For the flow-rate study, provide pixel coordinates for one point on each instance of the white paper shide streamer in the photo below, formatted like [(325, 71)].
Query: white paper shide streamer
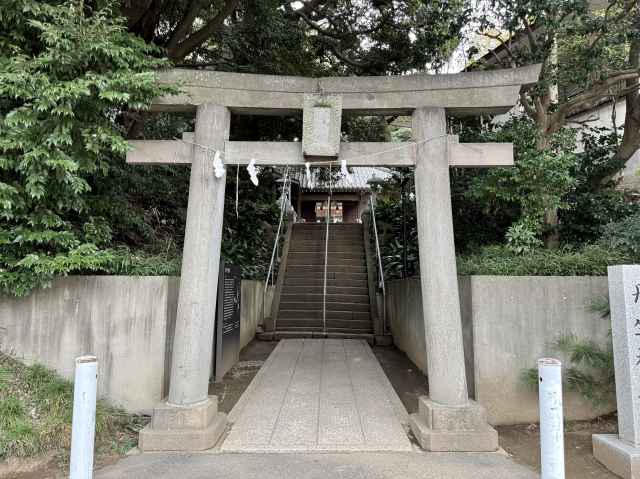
[(310, 184), (253, 171), (344, 171), (218, 166)]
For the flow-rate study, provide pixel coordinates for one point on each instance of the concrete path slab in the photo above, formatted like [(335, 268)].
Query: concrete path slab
[(359, 465), (319, 395)]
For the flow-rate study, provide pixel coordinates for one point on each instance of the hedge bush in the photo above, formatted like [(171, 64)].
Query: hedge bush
[(501, 260)]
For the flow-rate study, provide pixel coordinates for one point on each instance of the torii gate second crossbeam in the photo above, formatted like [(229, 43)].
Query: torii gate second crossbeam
[(448, 420)]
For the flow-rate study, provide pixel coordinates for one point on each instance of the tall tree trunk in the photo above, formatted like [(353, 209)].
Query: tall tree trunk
[(631, 137), (551, 221)]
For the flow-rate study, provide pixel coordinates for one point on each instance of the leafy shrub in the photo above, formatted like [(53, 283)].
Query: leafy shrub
[(591, 372), (502, 260), (594, 200), (623, 235), (538, 182)]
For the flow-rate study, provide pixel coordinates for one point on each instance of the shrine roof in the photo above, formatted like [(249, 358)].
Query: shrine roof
[(360, 175)]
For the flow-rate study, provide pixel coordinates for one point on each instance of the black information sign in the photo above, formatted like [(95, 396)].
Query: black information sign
[(227, 335)]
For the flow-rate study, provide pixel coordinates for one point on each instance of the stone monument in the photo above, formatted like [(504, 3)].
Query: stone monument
[(621, 453)]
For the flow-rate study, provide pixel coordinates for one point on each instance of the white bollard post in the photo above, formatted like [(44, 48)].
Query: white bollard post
[(551, 419), (83, 429)]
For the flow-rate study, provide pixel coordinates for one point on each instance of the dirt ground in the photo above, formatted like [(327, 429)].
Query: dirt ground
[(234, 383), (521, 442)]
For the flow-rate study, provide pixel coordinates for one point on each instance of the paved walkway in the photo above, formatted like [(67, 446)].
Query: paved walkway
[(319, 395), (357, 465)]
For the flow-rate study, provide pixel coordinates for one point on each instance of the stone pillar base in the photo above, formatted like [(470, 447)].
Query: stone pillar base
[(183, 428), (620, 457), (443, 428)]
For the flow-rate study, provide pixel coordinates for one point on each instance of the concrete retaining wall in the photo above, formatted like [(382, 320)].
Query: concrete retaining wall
[(508, 323), (126, 321)]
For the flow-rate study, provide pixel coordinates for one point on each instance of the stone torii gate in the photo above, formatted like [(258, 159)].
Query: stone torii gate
[(448, 420)]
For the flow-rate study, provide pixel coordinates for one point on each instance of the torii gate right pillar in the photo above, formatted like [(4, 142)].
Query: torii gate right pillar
[(447, 420)]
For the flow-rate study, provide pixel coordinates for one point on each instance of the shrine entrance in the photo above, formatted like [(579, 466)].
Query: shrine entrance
[(447, 420)]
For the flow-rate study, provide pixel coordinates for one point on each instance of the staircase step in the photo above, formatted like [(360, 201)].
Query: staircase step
[(320, 232), (318, 288), (302, 314), (317, 306), (318, 269), (284, 334), (304, 226), (353, 254), (318, 260), (360, 285), (320, 249), (316, 324), (301, 273), (317, 297)]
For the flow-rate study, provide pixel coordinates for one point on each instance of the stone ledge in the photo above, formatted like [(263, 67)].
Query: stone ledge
[(442, 417), (198, 416), (183, 428), (183, 439), (483, 440), (444, 428), (618, 456)]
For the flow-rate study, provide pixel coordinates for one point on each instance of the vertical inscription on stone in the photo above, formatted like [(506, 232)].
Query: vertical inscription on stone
[(322, 125), (321, 119), (624, 299)]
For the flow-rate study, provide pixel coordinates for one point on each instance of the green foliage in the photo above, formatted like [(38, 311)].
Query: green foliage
[(601, 305), (594, 201), (36, 408), (339, 37), (539, 181), (589, 44), (503, 260), (522, 238), (591, 372), (67, 77), (623, 235)]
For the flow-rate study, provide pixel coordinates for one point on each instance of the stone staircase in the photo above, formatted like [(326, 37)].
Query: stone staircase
[(301, 300)]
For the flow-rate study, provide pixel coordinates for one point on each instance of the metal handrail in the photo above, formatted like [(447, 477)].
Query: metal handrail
[(326, 254), (283, 204), (380, 270)]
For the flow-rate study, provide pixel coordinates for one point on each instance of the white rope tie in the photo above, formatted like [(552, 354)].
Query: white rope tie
[(401, 146)]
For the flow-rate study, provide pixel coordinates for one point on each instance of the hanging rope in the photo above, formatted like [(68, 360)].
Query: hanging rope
[(283, 204), (237, 187), (326, 253), (401, 146)]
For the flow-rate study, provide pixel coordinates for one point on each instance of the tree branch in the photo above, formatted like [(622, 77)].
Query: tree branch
[(597, 92), (184, 26), (526, 104), (193, 41), (533, 44)]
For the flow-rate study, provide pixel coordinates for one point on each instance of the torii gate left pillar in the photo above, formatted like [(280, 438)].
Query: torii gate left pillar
[(189, 419)]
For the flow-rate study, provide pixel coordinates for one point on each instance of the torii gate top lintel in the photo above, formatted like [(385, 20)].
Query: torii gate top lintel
[(466, 93), (322, 101)]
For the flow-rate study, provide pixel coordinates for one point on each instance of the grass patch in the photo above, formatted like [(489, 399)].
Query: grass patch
[(36, 409)]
